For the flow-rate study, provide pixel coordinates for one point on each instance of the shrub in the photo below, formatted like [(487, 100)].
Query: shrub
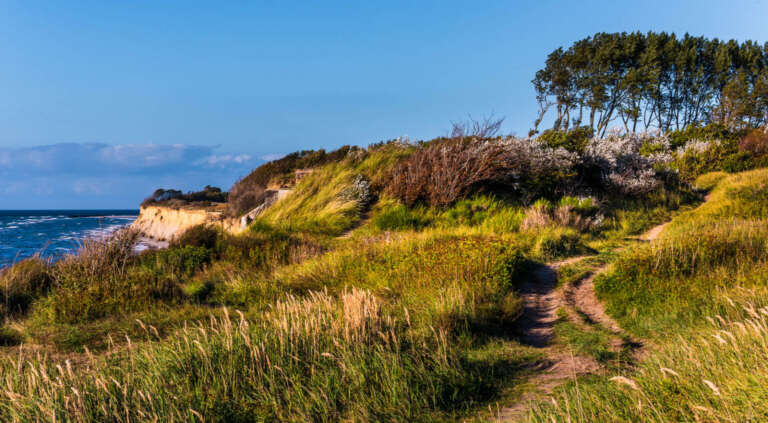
[(176, 198), (198, 236), (756, 142), (575, 140), (553, 242), (184, 260), (22, 283), (10, 337), (621, 166), (359, 191), (442, 173), (710, 132)]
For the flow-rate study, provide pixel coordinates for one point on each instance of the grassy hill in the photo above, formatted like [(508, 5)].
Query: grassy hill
[(698, 296), (391, 284)]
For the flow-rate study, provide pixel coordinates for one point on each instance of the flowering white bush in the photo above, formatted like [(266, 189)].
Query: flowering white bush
[(696, 147), (528, 156), (622, 166), (359, 191)]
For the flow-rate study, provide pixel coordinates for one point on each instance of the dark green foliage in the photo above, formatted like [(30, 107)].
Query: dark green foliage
[(175, 197), (723, 155), (10, 337), (712, 131), (198, 236), (654, 80), (574, 140), (23, 283), (183, 260)]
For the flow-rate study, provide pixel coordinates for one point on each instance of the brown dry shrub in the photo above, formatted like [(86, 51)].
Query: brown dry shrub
[(244, 197), (441, 174), (756, 142), (537, 216), (567, 215)]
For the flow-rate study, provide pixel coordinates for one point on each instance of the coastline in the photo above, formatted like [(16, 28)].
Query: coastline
[(53, 233)]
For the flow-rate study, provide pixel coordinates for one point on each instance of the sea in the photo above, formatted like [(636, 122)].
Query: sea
[(53, 233)]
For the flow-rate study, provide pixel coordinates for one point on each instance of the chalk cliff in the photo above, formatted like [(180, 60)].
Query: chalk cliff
[(163, 223)]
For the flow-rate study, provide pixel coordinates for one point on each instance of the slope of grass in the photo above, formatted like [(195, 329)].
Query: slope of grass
[(700, 294), (702, 255), (714, 374), (321, 202), (408, 319)]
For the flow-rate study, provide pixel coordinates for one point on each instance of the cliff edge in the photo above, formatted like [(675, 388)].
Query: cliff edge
[(162, 223)]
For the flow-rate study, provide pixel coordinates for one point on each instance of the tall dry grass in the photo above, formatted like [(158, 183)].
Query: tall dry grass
[(310, 359), (716, 374)]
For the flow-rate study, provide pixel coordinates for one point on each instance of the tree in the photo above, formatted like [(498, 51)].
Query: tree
[(653, 80)]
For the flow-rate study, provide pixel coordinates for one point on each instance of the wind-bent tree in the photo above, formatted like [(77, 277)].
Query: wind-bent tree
[(643, 81)]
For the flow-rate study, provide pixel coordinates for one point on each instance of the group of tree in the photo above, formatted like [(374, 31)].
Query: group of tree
[(654, 80), (209, 194)]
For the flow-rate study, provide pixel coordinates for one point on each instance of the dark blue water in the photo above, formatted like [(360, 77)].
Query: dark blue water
[(23, 233)]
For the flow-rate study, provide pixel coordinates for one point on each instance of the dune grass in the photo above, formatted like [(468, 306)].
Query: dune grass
[(702, 254), (714, 374), (408, 319), (700, 295)]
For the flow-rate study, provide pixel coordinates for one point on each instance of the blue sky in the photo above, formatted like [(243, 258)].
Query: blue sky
[(103, 101)]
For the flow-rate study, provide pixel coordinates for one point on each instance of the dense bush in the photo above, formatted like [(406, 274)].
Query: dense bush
[(756, 142), (23, 283), (712, 131), (175, 197), (198, 236), (442, 173), (183, 260), (622, 166), (574, 140)]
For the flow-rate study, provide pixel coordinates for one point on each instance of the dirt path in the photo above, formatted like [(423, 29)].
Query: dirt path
[(541, 302), (364, 218), (581, 295)]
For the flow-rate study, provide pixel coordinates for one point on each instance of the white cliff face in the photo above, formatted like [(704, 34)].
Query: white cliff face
[(164, 223), (161, 223)]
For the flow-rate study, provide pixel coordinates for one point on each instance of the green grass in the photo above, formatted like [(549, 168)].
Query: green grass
[(713, 374), (408, 319), (699, 296), (703, 254), (589, 341)]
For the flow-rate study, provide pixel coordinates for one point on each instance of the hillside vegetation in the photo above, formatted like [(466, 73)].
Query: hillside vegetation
[(698, 295), (388, 286)]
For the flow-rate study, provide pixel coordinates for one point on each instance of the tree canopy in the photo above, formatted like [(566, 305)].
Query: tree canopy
[(654, 80)]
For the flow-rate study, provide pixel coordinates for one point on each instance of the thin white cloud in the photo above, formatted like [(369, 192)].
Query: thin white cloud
[(270, 157), (102, 159), (103, 175)]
